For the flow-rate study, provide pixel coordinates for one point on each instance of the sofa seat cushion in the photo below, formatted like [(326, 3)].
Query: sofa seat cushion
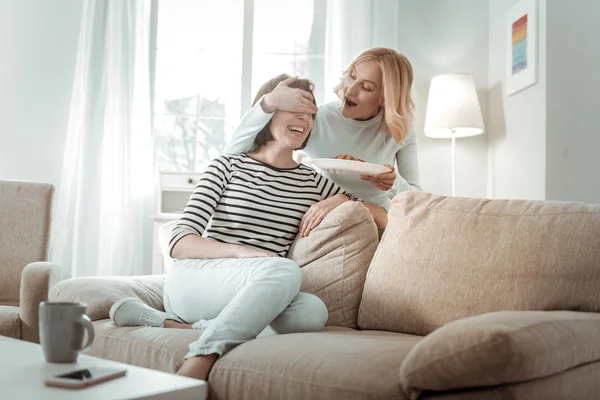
[(334, 364), (325, 365), (156, 348), (10, 322), (444, 258), (499, 348)]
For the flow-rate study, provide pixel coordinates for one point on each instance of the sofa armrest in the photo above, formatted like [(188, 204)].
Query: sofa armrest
[(99, 293), (500, 348), (37, 280)]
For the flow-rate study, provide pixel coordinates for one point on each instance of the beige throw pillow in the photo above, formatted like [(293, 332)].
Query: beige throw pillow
[(335, 258), (501, 347)]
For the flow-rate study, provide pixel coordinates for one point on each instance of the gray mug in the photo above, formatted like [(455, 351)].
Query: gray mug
[(62, 327)]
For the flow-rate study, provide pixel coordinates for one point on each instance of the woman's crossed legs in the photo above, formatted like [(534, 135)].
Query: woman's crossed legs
[(240, 297)]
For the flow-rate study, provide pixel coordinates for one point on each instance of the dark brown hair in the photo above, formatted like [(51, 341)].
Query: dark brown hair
[(265, 135)]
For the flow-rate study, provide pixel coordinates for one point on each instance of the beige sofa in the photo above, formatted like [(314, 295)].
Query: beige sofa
[(461, 299), (25, 209)]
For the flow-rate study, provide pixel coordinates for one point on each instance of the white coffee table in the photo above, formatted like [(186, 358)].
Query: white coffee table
[(23, 370)]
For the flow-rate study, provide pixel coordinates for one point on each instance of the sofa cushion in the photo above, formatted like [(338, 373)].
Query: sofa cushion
[(10, 322), (335, 258), (501, 347), (581, 383), (324, 365), (155, 348), (100, 293), (442, 259)]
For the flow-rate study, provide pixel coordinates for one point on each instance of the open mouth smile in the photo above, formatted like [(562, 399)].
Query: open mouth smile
[(296, 130)]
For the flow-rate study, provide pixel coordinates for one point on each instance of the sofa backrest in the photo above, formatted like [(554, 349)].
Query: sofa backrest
[(443, 259), (25, 210)]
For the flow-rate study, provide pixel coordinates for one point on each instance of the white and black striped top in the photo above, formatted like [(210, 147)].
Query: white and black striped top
[(252, 203)]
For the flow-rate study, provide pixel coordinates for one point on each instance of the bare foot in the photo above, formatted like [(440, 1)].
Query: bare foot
[(198, 367), (169, 323)]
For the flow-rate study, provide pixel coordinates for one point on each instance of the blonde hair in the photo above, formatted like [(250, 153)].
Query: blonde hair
[(397, 80)]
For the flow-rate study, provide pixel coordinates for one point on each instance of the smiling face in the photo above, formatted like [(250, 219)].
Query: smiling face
[(290, 130), (362, 91)]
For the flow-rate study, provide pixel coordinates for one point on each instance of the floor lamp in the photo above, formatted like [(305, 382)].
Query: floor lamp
[(453, 111)]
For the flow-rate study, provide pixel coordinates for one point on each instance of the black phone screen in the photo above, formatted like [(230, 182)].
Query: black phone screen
[(81, 374)]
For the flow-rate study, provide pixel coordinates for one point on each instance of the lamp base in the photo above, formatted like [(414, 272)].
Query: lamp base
[(453, 163)]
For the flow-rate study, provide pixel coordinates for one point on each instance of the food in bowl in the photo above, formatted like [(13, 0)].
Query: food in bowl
[(348, 157)]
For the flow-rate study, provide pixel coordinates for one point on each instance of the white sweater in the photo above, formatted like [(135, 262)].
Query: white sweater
[(332, 135)]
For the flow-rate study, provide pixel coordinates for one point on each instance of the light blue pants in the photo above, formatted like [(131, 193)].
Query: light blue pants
[(241, 297)]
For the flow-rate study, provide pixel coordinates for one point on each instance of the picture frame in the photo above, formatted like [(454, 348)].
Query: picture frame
[(521, 46)]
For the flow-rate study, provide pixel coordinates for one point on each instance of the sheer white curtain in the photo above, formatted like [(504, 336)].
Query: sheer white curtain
[(105, 192), (353, 26)]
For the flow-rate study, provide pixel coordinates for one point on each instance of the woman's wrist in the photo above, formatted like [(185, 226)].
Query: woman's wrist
[(267, 105), (352, 197), (342, 198), (236, 251)]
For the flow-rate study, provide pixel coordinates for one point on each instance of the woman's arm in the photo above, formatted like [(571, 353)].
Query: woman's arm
[(187, 234), (407, 161), (194, 246), (378, 213), (405, 176), (333, 195), (243, 137), (186, 239), (317, 212)]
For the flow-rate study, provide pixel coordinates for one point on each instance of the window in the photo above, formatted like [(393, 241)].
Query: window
[(212, 57)]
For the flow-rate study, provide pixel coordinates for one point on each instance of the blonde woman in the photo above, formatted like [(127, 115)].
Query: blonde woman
[(371, 121)]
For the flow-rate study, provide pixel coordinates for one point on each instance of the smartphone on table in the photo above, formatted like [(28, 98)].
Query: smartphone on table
[(85, 377)]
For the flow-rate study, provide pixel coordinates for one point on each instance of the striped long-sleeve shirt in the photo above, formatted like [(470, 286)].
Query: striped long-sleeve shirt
[(239, 200)]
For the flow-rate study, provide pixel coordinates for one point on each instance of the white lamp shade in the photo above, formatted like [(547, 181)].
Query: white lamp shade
[(453, 107)]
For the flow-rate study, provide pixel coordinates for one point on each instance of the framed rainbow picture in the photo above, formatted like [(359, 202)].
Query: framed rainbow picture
[(521, 46)]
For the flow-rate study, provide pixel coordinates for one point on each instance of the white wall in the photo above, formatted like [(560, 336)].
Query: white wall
[(517, 124), (353, 26), (440, 36), (573, 101), (38, 46)]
